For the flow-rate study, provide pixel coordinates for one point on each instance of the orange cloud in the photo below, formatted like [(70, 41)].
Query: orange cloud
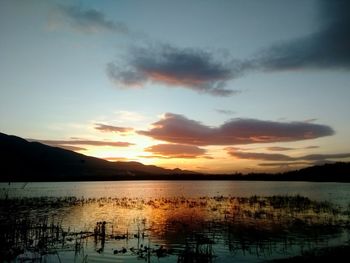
[(175, 151)]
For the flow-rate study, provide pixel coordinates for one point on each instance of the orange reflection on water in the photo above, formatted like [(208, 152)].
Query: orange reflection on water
[(224, 223)]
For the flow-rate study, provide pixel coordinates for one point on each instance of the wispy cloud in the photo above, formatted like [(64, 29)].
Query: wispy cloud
[(260, 156), (320, 157), (83, 142), (176, 151), (110, 128), (284, 164), (176, 128), (281, 149), (282, 157), (71, 148), (312, 147), (226, 112), (193, 69), (85, 20), (117, 159)]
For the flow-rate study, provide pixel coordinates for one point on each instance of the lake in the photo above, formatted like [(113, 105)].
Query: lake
[(333, 192), (171, 221)]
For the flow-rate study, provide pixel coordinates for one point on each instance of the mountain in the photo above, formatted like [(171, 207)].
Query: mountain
[(21, 160)]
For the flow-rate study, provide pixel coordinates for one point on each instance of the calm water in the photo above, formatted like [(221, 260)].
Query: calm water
[(172, 221), (334, 192)]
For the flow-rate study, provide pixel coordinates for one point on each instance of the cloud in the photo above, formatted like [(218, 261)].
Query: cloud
[(61, 143), (202, 71), (110, 128), (280, 149), (284, 164), (85, 20), (260, 156), (320, 157), (312, 147), (226, 112), (193, 69), (71, 147), (326, 48), (283, 157), (117, 159), (154, 157), (176, 128), (176, 151)]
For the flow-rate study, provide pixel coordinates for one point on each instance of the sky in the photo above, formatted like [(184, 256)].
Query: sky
[(209, 86)]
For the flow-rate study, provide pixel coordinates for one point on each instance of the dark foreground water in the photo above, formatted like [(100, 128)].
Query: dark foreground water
[(170, 221)]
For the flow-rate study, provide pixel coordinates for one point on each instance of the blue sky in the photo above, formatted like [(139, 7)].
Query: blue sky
[(68, 66)]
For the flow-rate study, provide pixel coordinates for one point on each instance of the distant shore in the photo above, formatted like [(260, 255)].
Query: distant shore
[(188, 177)]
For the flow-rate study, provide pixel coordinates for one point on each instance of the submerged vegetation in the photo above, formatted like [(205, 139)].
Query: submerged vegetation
[(179, 229)]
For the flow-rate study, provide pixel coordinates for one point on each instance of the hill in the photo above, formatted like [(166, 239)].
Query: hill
[(21, 160)]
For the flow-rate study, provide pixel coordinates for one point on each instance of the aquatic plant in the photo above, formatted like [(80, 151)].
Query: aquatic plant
[(149, 228)]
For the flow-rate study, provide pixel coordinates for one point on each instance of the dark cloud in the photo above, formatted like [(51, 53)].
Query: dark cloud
[(87, 20), (110, 128), (61, 143), (204, 72), (283, 157), (324, 49), (178, 129), (176, 151), (189, 68)]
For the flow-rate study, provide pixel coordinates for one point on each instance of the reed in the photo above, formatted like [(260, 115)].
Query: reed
[(256, 225)]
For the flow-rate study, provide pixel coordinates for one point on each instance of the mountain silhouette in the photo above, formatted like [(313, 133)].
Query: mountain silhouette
[(22, 160)]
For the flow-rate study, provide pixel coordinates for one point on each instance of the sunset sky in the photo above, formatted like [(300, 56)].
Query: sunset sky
[(211, 86)]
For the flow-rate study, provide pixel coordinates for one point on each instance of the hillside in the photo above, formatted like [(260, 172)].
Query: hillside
[(33, 161), (21, 160)]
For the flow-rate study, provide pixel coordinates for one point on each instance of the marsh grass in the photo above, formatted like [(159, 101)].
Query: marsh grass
[(186, 229)]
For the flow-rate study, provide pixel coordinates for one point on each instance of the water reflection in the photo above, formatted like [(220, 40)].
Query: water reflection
[(177, 229)]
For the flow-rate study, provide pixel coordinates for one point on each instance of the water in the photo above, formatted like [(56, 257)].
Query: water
[(171, 221), (334, 192)]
